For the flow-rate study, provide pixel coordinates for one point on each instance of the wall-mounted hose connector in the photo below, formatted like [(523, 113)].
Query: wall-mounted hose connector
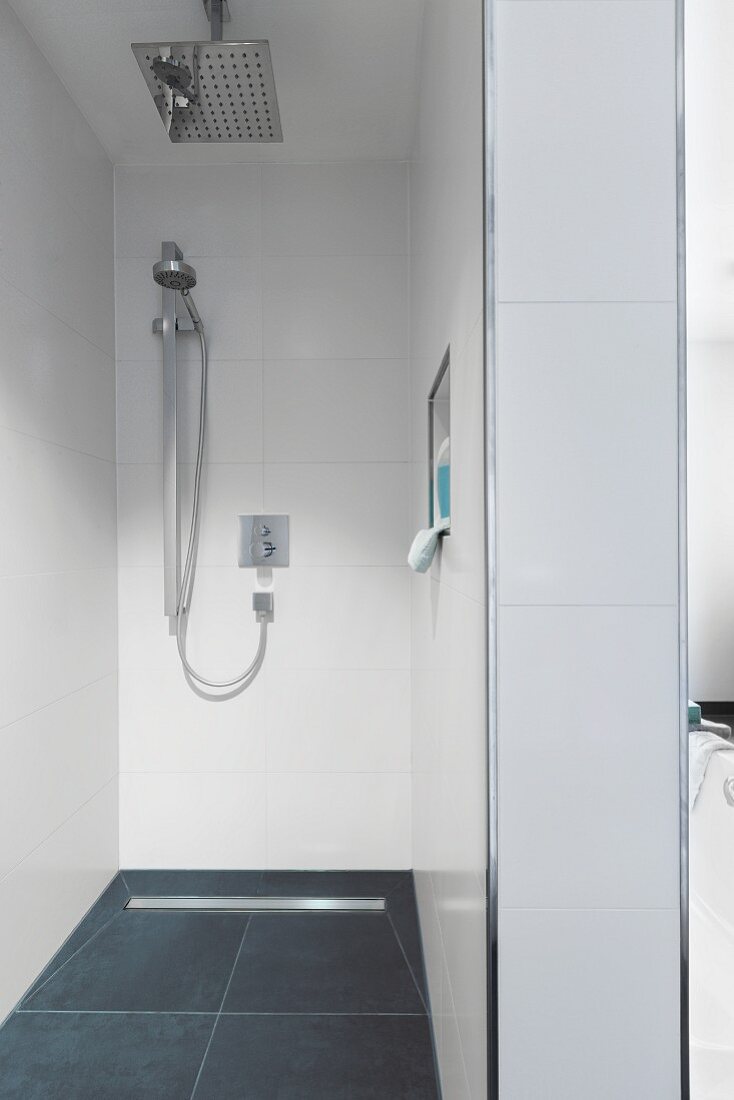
[(263, 604)]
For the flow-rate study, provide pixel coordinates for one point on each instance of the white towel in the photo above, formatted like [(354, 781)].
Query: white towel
[(424, 546), (702, 745)]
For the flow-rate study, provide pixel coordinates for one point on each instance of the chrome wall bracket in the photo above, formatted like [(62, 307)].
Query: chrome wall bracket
[(183, 324)]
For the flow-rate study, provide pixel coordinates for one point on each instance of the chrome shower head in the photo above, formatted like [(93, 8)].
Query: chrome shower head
[(174, 275), (212, 92)]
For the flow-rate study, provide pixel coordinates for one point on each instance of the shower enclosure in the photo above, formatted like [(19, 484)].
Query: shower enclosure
[(292, 874)]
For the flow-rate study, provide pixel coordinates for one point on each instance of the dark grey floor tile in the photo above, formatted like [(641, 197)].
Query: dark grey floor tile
[(321, 962), (193, 883), (68, 1056), (155, 962), (110, 902), (319, 1058), (332, 884), (404, 914)]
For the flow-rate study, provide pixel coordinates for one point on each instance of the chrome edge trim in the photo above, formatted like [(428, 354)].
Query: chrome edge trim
[(682, 543), (490, 462), (260, 904)]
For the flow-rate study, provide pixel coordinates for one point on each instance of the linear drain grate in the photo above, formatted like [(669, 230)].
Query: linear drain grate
[(260, 905)]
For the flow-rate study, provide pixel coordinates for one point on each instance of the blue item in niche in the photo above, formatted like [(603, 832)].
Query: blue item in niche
[(443, 478)]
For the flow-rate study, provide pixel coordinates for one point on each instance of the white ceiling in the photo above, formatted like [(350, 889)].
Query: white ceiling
[(345, 72)]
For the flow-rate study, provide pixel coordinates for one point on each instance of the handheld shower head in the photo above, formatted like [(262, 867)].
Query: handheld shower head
[(173, 73), (174, 275)]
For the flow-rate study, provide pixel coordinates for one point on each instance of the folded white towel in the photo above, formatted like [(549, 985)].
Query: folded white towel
[(422, 551), (702, 745)]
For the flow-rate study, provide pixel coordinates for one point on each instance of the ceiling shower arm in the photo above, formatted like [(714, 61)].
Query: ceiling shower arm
[(217, 12)]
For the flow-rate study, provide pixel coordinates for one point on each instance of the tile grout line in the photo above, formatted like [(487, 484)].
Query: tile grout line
[(81, 947), (75, 691), (221, 1006), (407, 962), (62, 824), (67, 324), (60, 446)]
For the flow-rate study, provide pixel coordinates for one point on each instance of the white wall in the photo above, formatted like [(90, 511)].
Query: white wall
[(587, 529), (711, 520), (303, 282), (449, 604), (58, 652), (709, 285)]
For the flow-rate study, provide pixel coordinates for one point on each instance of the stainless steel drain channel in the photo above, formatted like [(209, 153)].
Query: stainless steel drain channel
[(261, 904)]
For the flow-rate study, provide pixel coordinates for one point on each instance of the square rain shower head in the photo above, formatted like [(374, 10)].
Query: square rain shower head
[(212, 91)]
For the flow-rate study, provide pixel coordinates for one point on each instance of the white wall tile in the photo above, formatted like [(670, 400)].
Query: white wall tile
[(234, 424), (139, 407), (234, 411), (53, 761), (193, 821), (165, 726), (587, 454), (433, 954), (60, 506), (342, 513), (454, 1081), (208, 210), (448, 663), (335, 308), (227, 296), (72, 867), (710, 393), (462, 905), (335, 209), (430, 623), (48, 129), (334, 432), (338, 721), (143, 638), (337, 411), (463, 740), (51, 254), (462, 559), (589, 805), (345, 618), (222, 634), (63, 637), (589, 1004), (51, 377), (586, 185), (351, 822), (227, 491), (58, 705), (140, 516)]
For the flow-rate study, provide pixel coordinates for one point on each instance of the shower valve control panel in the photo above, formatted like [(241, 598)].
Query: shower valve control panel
[(262, 540)]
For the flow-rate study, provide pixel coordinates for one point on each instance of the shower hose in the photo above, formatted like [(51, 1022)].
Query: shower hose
[(186, 590)]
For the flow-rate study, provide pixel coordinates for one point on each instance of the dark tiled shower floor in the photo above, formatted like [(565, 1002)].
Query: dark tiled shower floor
[(225, 1006)]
